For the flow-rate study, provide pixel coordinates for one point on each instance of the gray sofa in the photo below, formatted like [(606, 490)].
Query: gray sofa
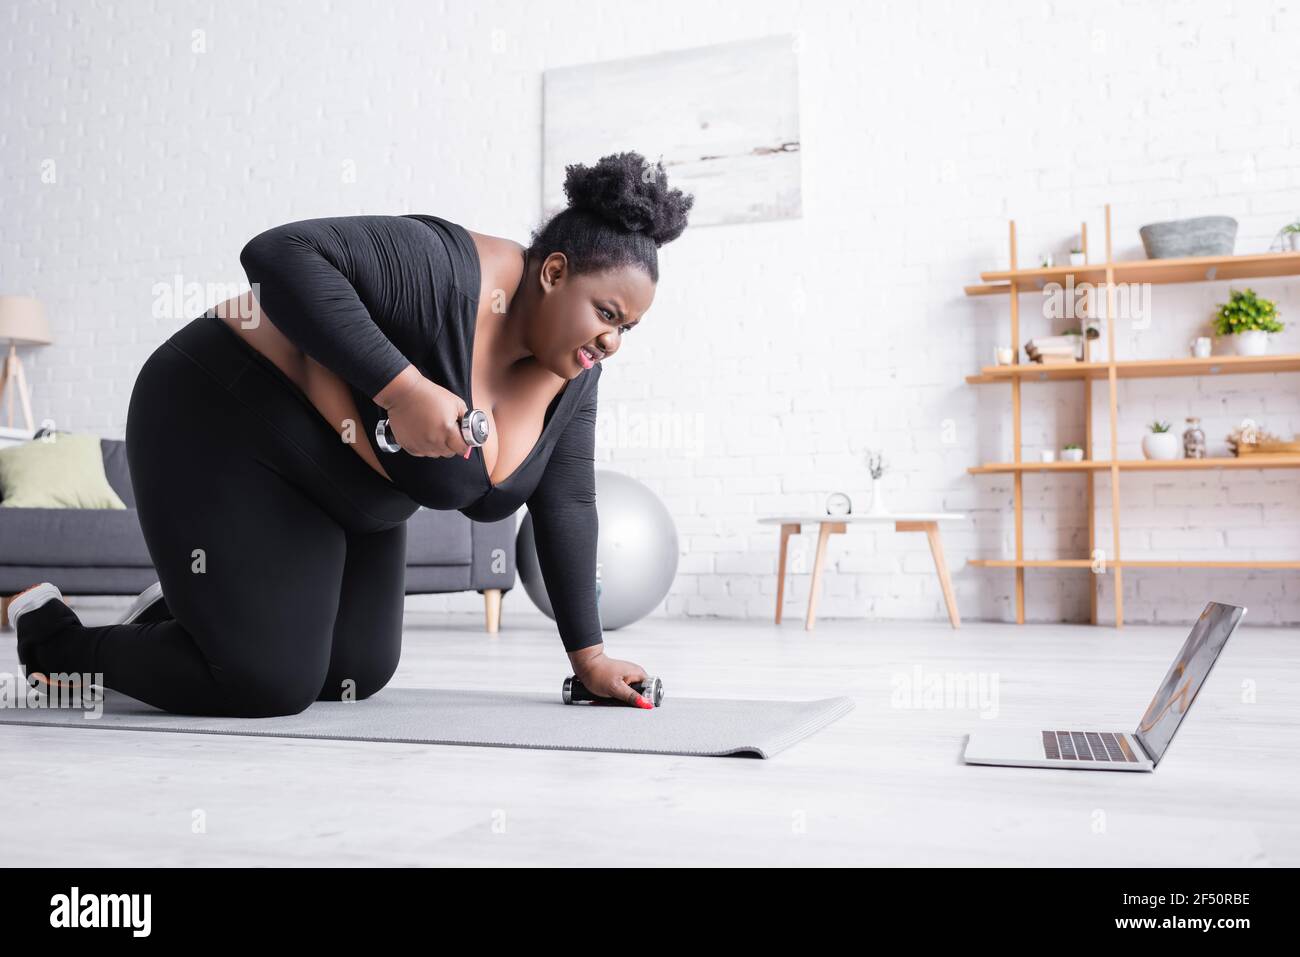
[(102, 551)]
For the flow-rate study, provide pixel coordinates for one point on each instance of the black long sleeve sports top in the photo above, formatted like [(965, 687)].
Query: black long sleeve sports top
[(367, 295)]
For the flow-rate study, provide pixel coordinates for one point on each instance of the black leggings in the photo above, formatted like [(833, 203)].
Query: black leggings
[(281, 553)]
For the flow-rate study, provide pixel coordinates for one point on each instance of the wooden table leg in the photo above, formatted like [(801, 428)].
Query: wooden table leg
[(492, 609), (7, 382), (931, 530), (787, 529), (814, 588)]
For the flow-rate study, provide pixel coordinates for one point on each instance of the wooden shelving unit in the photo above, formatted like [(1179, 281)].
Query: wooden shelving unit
[(1156, 271), (1143, 465), (1140, 368), (1104, 277)]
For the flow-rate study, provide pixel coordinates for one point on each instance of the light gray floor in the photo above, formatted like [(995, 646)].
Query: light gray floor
[(883, 785)]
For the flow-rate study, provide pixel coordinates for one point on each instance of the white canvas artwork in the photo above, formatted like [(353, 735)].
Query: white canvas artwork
[(723, 119)]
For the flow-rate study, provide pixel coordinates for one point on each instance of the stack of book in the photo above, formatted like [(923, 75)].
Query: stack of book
[(1050, 349)]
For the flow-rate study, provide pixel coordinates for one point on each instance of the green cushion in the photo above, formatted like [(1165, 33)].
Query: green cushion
[(65, 470)]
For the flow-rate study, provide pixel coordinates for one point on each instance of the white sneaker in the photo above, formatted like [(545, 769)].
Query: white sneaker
[(36, 597), (31, 599), (141, 604)]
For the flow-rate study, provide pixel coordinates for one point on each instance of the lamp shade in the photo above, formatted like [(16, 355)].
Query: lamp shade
[(22, 320)]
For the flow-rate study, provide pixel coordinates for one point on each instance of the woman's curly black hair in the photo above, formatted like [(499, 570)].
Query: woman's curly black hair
[(620, 212)]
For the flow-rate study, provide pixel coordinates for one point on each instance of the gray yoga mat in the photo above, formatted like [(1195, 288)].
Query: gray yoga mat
[(692, 726)]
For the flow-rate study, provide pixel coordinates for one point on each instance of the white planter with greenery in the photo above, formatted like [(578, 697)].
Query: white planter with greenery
[(1291, 236), (1248, 319), (1161, 444), (1252, 342)]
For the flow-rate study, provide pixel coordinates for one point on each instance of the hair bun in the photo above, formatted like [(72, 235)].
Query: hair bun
[(631, 194)]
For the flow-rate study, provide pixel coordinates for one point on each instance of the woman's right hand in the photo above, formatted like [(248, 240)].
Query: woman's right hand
[(423, 417)]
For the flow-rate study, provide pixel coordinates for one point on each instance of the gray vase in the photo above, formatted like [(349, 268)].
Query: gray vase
[(1201, 236)]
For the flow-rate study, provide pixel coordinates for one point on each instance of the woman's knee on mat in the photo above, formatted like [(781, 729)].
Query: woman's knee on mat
[(265, 691), (359, 682)]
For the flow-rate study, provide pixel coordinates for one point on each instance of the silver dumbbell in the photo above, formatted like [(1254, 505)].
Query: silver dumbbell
[(473, 429)]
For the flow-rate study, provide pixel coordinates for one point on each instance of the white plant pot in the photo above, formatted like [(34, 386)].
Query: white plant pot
[(1293, 239), (1071, 455), (1076, 259), (1162, 445), (1252, 343)]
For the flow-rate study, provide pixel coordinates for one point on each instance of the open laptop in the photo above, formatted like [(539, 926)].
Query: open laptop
[(1140, 750)]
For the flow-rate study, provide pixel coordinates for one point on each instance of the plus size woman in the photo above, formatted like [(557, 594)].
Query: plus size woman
[(275, 519)]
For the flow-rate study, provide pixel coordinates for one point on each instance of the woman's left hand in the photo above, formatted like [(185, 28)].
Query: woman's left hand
[(609, 677)]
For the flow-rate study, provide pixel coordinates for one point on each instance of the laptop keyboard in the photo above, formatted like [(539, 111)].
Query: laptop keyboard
[(1087, 746)]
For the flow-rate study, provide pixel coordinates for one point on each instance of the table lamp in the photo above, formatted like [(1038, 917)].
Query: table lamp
[(22, 323)]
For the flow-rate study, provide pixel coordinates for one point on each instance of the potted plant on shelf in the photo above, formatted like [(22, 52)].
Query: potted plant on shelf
[(1071, 453), (1291, 233), (1159, 442), (1076, 255), (1248, 319)]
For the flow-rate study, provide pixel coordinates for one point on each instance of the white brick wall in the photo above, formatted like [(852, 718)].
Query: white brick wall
[(925, 127)]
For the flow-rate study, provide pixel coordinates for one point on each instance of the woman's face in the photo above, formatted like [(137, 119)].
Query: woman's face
[(587, 314)]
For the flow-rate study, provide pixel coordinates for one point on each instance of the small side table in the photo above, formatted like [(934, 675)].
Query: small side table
[(927, 522)]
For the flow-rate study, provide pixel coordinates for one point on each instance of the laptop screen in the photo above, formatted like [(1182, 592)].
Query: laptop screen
[(1185, 677)]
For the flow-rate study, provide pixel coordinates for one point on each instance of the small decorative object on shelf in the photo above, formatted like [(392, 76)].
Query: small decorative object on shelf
[(1046, 260), (1248, 319), (838, 503), (1193, 439), (1047, 455), (1052, 349), (1072, 453), (1200, 236), (1245, 434), (1287, 238), (1249, 439), (1160, 443), (1077, 257), (1003, 355), (1201, 347), (876, 465)]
